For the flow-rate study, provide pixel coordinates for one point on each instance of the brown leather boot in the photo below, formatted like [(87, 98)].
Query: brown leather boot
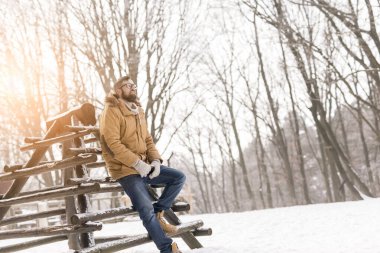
[(168, 228), (175, 248)]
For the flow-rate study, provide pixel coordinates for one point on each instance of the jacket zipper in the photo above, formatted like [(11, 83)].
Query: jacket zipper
[(137, 128)]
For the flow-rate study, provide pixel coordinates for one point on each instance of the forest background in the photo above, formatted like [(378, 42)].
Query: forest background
[(262, 103)]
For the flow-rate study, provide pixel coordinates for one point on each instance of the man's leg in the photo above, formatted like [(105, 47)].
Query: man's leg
[(173, 180), (136, 189)]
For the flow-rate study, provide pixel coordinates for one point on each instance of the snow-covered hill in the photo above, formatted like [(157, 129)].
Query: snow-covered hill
[(350, 227)]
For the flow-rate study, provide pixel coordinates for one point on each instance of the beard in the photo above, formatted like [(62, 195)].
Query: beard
[(129, 97)]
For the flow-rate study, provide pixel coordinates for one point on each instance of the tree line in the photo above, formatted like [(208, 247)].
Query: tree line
[(263, 103)]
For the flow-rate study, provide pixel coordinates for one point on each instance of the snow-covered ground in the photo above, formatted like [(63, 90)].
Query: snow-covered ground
[(350, 227)]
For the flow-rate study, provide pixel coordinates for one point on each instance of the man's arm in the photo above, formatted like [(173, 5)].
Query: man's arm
[(152, 152)]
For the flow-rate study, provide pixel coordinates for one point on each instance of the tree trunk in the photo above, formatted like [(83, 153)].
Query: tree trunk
[(364, 144), (296, 128), (279, 137), (261, 163)]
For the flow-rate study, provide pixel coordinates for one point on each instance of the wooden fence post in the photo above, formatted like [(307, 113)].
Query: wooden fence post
[(87, 239), (73, 239)]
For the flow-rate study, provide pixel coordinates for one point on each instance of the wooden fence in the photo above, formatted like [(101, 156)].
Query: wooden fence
[(70, 129)]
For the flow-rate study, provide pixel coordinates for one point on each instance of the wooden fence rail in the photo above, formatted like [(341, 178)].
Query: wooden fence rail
[(64, 164), (52, 141), (49, 231), (196, 232), (68, 191), (76, 188), (116, 245), (95, 216), (27, 217), (102, 180)]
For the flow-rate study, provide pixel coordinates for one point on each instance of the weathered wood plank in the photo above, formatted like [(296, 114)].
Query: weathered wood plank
[(77, 151), (202, 232), (111, 188), (124, 243), (66, 163), (51, 141), (58, 187), (32, 139), (180, 207), (85, 113), (96, 165), (195, 232), (91, 140), (69, 191), (27, 217), (100, 180), (50, 231), (12, 168), (80, 218), (71, 128)]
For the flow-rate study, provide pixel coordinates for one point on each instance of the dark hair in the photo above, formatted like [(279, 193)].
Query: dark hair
[(120, 81)]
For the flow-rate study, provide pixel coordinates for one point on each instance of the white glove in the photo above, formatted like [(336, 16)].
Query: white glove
[(156, 164), (142, 168)]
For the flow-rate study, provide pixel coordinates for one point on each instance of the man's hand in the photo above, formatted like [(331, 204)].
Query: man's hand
[(156, 164), (142, 168)]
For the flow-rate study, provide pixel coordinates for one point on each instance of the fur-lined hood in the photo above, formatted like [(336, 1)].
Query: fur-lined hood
[(112, 100)]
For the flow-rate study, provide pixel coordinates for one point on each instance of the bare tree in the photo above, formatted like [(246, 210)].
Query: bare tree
[(132, 37), (297, 43)]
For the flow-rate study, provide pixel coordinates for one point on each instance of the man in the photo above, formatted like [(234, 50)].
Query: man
[(133, 160)]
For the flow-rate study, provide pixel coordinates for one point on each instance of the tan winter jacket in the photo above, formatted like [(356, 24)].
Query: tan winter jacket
[(124, 138)]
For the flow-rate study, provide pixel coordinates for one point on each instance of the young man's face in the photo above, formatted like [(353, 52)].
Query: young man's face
[(128, 90)]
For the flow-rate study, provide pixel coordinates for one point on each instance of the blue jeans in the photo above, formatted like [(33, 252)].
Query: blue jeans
[(136, 188)]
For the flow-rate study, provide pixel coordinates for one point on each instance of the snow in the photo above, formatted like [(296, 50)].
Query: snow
[(346, 227)]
